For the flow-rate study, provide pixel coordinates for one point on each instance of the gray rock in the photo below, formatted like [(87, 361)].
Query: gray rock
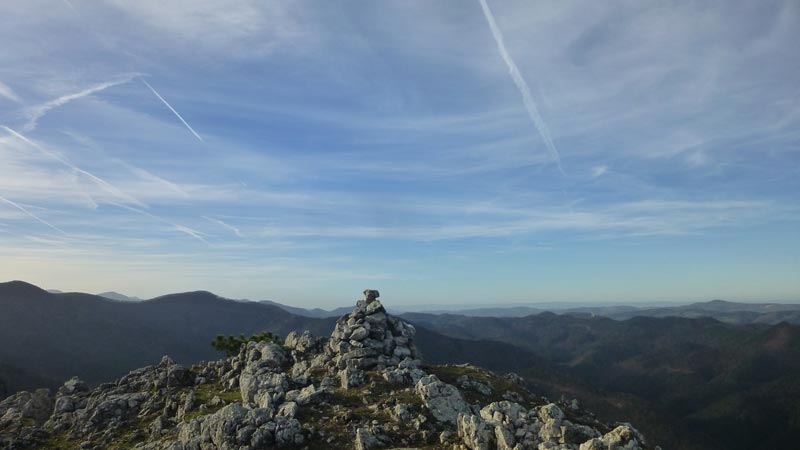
[(288, 409), (359, 334), (37, 405), (401, 412), (504, 412), (262, 388), (311, 394), (288, 432), (374, 307), (73, 386), (474, 432), (504, 438), (351, 378), (63, 405), (443, 400), (365, 440), (303, 343), (265, 354), (624, 437), (370, 295), (466, 382)]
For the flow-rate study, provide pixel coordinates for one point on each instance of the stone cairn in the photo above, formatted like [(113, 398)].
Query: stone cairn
[(368, 338)]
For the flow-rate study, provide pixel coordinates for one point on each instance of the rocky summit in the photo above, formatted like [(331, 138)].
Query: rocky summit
[(364, 387)]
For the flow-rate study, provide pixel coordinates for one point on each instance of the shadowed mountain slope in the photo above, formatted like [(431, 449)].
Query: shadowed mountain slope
[(60, 335), (730, 382)]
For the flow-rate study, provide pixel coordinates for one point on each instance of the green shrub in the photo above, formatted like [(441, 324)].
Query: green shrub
[(231, 344)]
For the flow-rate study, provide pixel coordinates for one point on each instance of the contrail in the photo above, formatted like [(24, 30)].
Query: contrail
[(69, 3), (171, 109), (99, 181), (225, 225), (145, 175), (39, 219), (183, 229), (527, 98), (7, 92), (36, 113)]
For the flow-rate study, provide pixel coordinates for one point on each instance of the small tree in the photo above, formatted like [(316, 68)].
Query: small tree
[(232, 344)]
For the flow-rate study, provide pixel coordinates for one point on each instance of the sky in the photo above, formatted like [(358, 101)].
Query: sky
[(450, 152)]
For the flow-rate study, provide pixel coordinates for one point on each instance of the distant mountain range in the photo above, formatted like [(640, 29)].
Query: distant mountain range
[(119, 297), (111, 295), (691, 383), (724, 311), (728, 312)]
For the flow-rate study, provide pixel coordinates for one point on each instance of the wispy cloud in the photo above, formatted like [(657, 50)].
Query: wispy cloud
[(32, 215), (398, 147), (182, 228), (46, 241), (632, 219), (71, 6), (172, 109), (147, 176), (230, 227), (108, 187), (37, 112), (522, 85), (599, 171), (7, 92)]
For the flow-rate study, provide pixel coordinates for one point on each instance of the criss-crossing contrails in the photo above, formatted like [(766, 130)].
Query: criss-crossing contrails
[(172, 109), (524, 90), (108, 187), (32, 215), (182, 228), (105, 185), (35, 113)]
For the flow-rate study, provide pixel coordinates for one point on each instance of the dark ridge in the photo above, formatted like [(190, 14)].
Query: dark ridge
[(21, 288)]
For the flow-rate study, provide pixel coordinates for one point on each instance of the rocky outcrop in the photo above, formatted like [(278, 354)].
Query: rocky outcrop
[(443, 400), (363, 387), (235, 426), (508, 425)]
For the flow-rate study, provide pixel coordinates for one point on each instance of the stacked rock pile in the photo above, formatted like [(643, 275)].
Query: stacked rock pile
[(369, 338)]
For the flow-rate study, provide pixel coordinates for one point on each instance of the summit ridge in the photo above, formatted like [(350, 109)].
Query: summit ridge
[(364, 387)]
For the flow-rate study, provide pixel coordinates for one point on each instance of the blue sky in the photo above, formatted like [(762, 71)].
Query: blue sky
[(442, 152)]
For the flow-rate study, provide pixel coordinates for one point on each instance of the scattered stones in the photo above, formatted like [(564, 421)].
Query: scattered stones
[(465, 382), (363, 387)]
